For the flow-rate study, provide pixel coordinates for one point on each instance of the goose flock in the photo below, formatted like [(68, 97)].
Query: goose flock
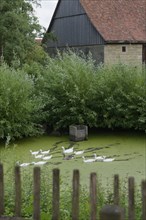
[(68, 154), (44, 155), (88, 160)]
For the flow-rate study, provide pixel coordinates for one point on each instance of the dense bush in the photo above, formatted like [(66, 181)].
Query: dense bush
[(19, 106), (70, 89), (68, 85), (77, 92), (121, 97)]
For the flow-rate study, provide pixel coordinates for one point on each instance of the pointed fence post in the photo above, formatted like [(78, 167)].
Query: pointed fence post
[(36, 194), (93, 196), (17, 192), (1, 190), (56, 194), (112, 212), (75, 195)]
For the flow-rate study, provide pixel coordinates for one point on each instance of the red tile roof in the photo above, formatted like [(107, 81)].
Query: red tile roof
[(118, 20)]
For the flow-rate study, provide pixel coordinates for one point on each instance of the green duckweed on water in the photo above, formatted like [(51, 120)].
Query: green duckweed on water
[(128, 149)]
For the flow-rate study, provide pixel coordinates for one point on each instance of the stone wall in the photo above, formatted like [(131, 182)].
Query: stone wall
[(123, 53)]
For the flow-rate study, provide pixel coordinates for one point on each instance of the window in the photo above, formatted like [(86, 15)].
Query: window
[(123, 48)]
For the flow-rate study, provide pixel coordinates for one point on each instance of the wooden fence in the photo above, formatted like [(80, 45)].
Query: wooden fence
[(108, 212)]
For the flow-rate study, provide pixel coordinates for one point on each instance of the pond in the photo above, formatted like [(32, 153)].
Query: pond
[(128, 149)]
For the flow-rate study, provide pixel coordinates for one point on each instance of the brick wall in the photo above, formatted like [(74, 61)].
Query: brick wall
[(123, 53)]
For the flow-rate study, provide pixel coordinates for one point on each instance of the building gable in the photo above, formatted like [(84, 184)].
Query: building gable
[(72, 27), (103, 27)]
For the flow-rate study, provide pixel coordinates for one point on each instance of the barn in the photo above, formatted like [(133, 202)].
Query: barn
[(114, 31)]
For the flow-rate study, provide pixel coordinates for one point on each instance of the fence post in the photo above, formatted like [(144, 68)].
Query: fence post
[(17, 192), (75, 195), (112, 212), (56, 194), (1, 190), (143, 199), (131, 207), (116, 189), (36, 203), (93, 196)]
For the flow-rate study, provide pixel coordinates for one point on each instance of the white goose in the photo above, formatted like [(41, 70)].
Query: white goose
[(39, 156), (44, 152), (40, 163), (79, 152), (34, 152), (108, 159), (88, 160), (22, 164), (99, 158), (47, 157), (67, 151)]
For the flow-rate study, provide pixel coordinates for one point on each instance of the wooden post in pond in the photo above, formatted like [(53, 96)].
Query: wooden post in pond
[(56, 194), (36, 194), (143, 199), (17, 192), (116, 189), (112, 212), (131, 207), (75, 195), (1, 190), (93, 196)]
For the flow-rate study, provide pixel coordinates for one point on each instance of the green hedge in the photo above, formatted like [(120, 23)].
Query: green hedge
[(121, 97), (70, 89), (77, 92), (19, 106)]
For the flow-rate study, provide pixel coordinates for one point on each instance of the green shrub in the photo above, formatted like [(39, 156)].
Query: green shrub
[(121, 97), (75, 91), (69, 89), (19, 106)]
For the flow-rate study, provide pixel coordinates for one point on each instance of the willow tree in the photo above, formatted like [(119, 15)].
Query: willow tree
[(18, 29)]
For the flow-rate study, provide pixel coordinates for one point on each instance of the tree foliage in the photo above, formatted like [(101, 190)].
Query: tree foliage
[(121, 97), (18, 28), (19, 106), (68, 89), (76, 92)]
